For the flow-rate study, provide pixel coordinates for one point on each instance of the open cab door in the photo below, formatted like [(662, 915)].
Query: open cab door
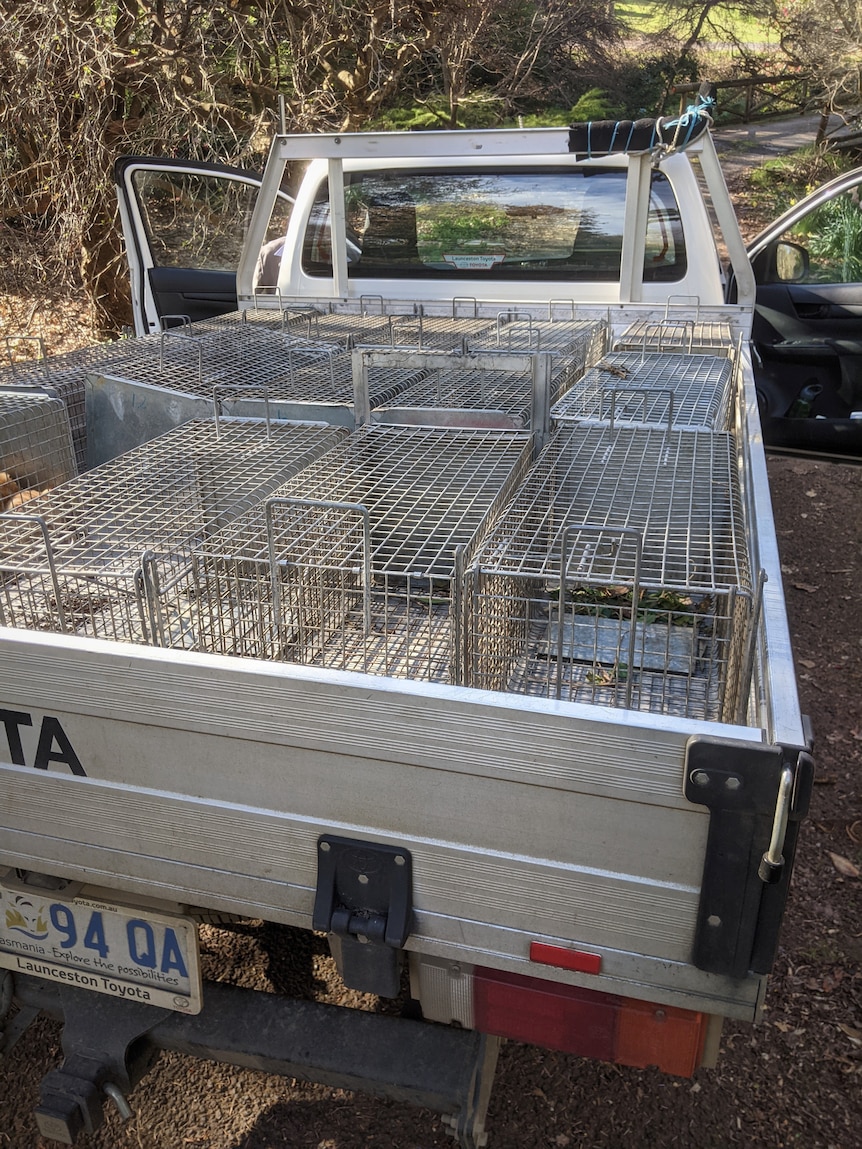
[(807, 333), (184, 225)]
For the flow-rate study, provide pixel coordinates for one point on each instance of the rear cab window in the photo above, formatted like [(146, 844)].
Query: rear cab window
[(492, 224)]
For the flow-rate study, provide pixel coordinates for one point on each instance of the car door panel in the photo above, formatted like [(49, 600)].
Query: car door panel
[(195, 294)]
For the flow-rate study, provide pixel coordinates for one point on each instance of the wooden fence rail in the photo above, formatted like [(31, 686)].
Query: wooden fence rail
[(762, 96)]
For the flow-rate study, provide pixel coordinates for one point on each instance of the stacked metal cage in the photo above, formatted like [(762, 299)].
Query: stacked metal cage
[(36, 451), (683, 328), (614, 571), (294, 360), (62, 376), (619, 576), (109, 554), (481, 388), (694, 336), (358, 563), (375, 325), (679, 389), (237, 354), (256, 365)]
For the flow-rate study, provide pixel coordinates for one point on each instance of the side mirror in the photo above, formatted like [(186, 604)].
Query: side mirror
[(790, 262)]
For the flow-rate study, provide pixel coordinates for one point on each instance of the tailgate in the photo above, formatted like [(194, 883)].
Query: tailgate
[(208, 781)]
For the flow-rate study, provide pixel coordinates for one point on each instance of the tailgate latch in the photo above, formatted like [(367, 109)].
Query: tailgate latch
[(756, 795), (364, 901)]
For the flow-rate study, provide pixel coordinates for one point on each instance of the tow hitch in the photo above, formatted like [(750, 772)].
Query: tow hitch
[(109, 1043), (103, 1059)]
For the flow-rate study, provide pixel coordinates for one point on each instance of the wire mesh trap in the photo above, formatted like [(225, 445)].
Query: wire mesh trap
[(374, 325), (237, 356), (619, 575), (60, 375), (108, 554), (36, 450), (357, 563), (689, 335), (490, 382), (581, 341), (682, 328), (502, 390), (679, 390), (467, 324), (478, 396)]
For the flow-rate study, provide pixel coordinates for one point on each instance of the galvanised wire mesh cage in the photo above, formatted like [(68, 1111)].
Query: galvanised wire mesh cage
[(377, 324), (237, 354), (480, 385), (683, 327), (677, 390), (357, 564), (63, 376), (36, 451), (293, 354), (108, 554), (619, 576), (693, 336), (465, 323)]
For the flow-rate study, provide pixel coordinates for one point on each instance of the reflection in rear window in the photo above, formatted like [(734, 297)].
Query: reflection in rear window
[(537, 224)]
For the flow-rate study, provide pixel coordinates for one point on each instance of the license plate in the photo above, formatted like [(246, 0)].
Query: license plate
[(125, 951)]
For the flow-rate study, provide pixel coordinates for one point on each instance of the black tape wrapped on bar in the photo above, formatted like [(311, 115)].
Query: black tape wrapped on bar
[(603, 137)]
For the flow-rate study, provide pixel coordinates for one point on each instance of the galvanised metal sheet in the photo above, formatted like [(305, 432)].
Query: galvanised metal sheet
[(208, 781)]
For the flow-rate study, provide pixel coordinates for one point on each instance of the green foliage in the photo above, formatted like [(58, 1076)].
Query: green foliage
[(547, 118), (647, 16), (783, 181), (427, 116), (834, 238), (480, 109), (641, 80), (595, 104), (734, 18)]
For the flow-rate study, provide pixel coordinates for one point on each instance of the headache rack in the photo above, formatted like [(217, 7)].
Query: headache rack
[(619, 576), (678, 390), (109, 554), (358, 563)]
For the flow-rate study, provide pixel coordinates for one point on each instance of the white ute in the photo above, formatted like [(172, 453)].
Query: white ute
[(431, 600)]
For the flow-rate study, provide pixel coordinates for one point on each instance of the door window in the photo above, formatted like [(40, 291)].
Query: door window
[(506, 224), (832, 236), (194, 219)]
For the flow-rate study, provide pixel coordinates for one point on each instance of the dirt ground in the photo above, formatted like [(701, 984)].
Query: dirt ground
[(794, 1080)]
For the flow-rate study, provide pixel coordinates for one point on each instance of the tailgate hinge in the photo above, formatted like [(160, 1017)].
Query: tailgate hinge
[(364, 901)]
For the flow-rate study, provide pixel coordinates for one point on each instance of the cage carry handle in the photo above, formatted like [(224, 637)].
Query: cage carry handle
[(567, 554)]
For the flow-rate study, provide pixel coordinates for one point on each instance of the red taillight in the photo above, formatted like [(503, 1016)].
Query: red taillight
[(588, 1023)]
